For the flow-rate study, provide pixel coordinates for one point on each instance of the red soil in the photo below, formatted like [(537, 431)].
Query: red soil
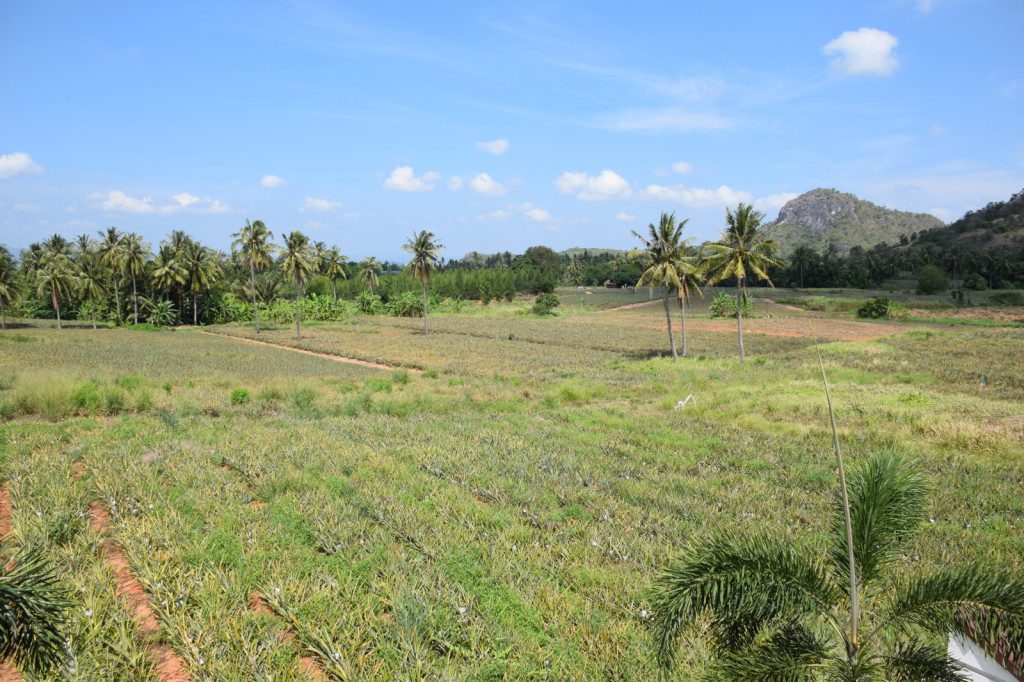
[(169, 665), (5, 513)]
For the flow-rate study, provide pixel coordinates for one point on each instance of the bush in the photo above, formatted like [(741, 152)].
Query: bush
[(874, 308), (1007, 298), (931, 279), (724, 305), (240, 396), (407, 304), (975, 282), (545, 304), (368, 303)]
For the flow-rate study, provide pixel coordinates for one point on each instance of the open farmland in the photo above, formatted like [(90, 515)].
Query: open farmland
[(501, 513)]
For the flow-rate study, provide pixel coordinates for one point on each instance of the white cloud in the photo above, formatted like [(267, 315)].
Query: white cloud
[(271, 181), (607, 185), (18, 163), (404, 179), (485, 184), (625, 217), (317, 204), (682, 167), (695, 196), (774, 201), (538, 214), (116, 201), (867, 51), (500, 214), (499, 146), (455, 183), (663, 120)]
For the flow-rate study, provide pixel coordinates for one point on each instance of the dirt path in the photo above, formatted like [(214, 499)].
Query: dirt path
[(629, 306), (325, 356), (169, 665)]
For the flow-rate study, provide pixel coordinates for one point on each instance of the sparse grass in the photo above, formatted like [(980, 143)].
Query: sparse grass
[(502, 521)]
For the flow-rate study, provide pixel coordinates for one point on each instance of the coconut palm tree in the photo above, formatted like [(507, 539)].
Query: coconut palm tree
[(370, 269), (9, 295), (202, 268), (573, 271), (168, 271), (741, 252), (319, 257), (91, 281), (56, 278), (252, 250), (134, 253), (424, 259), (803, 257), (691, 276), (33, 609), (298, 265), (664, 258), (110, 257), (334, 268)]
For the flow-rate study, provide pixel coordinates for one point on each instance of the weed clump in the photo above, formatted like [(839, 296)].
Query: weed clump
[(240, 396)]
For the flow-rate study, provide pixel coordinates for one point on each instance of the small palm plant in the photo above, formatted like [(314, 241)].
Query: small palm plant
[(369, 273), (33, 610), (742, 252), (253, 251), (665, 261), (334, 268), (774, 611), (298, 265), (424, 252)]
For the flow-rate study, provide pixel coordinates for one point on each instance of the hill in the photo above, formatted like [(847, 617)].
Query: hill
[(821, 216), (998, 226)]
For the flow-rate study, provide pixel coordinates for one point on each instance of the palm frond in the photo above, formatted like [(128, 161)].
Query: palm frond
[(913, 661), (33, 609), (790, 653)]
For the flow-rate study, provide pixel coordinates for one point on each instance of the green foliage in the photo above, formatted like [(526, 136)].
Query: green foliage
[(974, 282), (545, 304), (1010, 298), (33, 608), (875, 308), (931, 279), (240, 396), (369, 304), (724, 305), (408, 304)]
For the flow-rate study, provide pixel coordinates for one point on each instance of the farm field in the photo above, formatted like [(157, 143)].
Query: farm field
[(494, 505)]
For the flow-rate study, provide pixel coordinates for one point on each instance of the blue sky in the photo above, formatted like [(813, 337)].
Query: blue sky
[(497, 126)]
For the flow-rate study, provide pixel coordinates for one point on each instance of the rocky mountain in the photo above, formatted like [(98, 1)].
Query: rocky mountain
[(821, 216)]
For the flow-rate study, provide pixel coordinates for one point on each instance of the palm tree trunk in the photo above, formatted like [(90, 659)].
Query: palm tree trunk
[(739, 317), (801, 276), (195, 309), (135, 300), (56, 306), (424, 307), (3, 318), (668, 325), (682, 324), (298, 327), (92, 315), (255, 308), (117, 299), (334, 287)]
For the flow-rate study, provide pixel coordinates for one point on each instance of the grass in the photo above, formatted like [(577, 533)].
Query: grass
[(501, 514)]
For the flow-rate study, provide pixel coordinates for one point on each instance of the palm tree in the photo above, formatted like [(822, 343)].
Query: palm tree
[(803, 257), (319, 257), (91, 280), (691, 276), (110, 256), (334, 268), (665, 260), (202, 269), (55, 278), (133, 261), (369, 272), (424, 258), (253, 251), (573, 271), (168, 271), (35, 608), (298, 265), (741, 252), (9, 295)]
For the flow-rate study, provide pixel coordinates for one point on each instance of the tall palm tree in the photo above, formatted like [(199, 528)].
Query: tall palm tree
[(424, 259), (803, 257), (253, 251), (9, 295), (370, 269), (741, 252), (134, 253), (202, 268), (91, 280), (573, 271), (334, 268), (664, 256), (298, 265), (319, 257), (168, 270), (779, 612), (110, 257), (56, 278)]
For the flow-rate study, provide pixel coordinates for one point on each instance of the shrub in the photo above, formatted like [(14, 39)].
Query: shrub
[(407, 304), (86, 396), (1007, 298), (724, 305), (874, 308), (269, 394), (400, 376), (302, 398), (897, 311), (931, 279), (378, 385), (368, 303), (975, 282), (113, 401), (240, 396), (545, 304)]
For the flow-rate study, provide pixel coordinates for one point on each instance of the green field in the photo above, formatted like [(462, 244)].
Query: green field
[(497, 505)]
